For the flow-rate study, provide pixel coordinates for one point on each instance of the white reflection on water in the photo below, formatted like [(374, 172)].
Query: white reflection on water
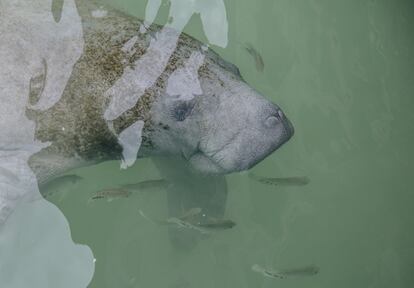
[(212, 12), (36, 249)]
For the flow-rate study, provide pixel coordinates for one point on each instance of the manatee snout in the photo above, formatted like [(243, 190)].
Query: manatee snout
[(242, 129), (260, 128), (275, 130)]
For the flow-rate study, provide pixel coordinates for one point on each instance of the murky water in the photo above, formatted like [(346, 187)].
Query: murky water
[(342, 72)]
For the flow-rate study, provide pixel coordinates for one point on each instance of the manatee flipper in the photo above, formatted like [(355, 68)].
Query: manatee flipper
[(188, 190)]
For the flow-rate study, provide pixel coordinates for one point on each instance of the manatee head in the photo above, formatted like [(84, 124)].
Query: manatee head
[(225, 126)]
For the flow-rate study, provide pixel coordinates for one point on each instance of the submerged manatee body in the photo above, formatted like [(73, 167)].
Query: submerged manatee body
[(190, 102), (140, 91)]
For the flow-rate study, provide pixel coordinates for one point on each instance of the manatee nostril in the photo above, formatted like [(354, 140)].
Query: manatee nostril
[(272, 121)]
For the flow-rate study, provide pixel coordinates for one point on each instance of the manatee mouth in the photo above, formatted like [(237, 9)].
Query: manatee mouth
[(239, 152), (206, 160), (204, 164)]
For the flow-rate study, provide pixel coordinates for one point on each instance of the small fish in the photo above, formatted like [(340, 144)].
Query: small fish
[(217, 224), (287, 181), (52, 187), (148, 184), (268, 273), (256, 56), (111, 194), (281, 274), (175, 221), (184, 224)]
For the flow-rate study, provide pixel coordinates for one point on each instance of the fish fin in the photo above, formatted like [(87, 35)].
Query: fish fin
[(187, 190)]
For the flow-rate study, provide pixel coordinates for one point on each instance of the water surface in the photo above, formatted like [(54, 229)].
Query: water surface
[(342, 72)]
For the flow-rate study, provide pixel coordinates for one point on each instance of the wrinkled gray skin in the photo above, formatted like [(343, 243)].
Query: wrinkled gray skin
[(229, 128)]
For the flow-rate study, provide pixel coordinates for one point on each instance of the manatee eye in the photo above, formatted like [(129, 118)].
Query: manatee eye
[(182, 110)]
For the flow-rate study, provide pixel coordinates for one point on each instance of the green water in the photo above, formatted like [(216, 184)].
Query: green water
[(343, 73)]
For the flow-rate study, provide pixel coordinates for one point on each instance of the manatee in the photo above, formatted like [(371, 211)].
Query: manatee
[(223, 127), (139, 91)]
